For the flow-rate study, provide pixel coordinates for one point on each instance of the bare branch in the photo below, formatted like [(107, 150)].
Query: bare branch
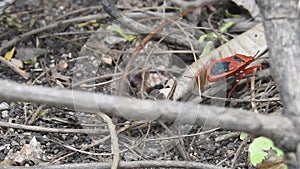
[(282, 27), (135, 109)]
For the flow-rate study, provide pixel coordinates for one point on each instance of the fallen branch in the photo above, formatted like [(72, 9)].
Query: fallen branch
[(127, 164), (178, 112)]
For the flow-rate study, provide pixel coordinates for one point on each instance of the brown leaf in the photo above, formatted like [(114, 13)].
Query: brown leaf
[(272, 161)]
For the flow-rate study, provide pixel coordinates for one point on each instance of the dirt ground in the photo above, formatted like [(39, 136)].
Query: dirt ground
[(59, 57)]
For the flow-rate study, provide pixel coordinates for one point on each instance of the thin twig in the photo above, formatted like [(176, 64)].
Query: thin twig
[(53, 68), (244, 100), (137, 51), (178, 142), (240, 149), (82, 149), (35, 114), (113, 11), (114, 140), (80, 10), (100, 83), (50, 130), (24, 74), (26, 35), (95, 143), (227, 136), (127, 165)]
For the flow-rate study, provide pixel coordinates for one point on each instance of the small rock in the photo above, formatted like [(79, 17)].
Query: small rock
[(2, 156), (17, 62), (37, 65), (2, 147), (75, 138), (30, 53), (56, 151), (107, 60), (14, 143), (4, 114), (19, 160), (22, 142), (78, 74), (62, 65), (230, 153), (112, 40), (64, 136), (129, 156), (4, 106)]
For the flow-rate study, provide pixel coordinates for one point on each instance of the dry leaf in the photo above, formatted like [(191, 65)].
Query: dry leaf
[(62, 65), (272, 161), (29, 152), (107, 60), (8, 55), (17, 62), (248, 43)]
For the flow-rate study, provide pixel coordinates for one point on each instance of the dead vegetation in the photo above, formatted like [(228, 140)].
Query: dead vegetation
[(138, 63)]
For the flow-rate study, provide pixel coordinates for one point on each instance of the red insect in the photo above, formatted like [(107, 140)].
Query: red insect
[(235, 65)]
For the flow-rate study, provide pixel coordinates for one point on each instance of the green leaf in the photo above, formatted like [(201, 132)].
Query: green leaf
[(230, 15), (91, 22), (32, 22), (243, 135), (223, 28), (208, 46), (43, 113), (210, 35), (120, 31), (258, 147), (30, 61)]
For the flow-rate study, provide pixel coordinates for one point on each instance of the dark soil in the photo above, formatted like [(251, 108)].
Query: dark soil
[(64, 44)]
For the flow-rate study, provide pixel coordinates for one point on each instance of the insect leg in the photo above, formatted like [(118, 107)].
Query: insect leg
[(242, 75)]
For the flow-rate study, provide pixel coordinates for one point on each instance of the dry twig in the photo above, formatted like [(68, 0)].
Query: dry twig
[(48, 27), (239, 150), (114, 140), (50, 130), (127, 164), (24, 74)]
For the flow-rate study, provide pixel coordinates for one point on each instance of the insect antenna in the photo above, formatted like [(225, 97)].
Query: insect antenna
[(258, 55)]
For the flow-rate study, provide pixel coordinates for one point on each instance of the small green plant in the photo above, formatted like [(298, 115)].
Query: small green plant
[(121, 32), (264, 153)]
